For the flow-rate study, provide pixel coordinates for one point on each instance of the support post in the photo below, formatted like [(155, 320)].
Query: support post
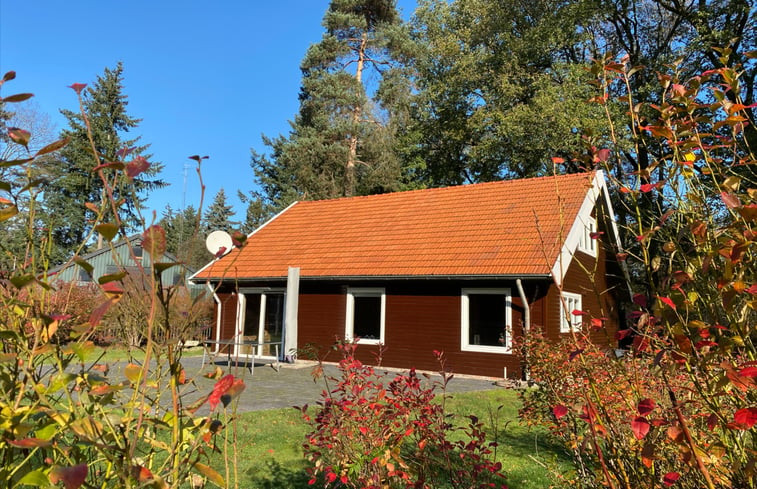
[(290, 318)]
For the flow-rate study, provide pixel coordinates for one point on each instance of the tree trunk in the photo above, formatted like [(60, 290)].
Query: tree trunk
[(350, 169)]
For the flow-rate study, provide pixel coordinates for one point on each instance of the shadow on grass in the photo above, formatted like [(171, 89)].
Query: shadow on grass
[(539, 454), (274, 475)]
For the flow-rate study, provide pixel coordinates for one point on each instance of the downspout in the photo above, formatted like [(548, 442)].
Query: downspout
[(218, 316), (526, 322)]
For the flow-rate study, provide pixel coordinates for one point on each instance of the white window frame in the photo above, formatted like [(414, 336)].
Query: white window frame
[(465, 321), (569, 322), (586, 243), (242, 312), (349, 327)]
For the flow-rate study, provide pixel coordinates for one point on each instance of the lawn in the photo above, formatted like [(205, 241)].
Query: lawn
[(112, 354), (270, 455)]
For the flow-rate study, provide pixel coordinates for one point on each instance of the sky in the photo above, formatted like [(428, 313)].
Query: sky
[(206, 78)]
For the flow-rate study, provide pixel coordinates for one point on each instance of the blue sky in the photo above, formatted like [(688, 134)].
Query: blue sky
[(205, 77)]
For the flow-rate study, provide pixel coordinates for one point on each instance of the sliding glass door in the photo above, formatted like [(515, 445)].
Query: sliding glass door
[(261, 321)]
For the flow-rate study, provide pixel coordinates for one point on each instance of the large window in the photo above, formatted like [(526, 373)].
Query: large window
[(486, 320), (263, 322), (568, 321), (365, 315)]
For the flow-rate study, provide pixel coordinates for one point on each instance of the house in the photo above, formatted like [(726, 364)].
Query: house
[(108, 261), (459, 269)]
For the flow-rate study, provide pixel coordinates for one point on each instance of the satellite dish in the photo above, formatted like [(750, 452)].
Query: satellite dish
[(219, 243)]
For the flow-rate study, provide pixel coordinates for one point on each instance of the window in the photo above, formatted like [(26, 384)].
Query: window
[(84, 276), (587, 244), (365, 315), (138, 252), (568, 321), (263, 321), (486, 324)]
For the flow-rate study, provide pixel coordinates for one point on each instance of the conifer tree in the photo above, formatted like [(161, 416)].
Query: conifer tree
[(73, 181), (354, 91), (219, 214), (184, 238)]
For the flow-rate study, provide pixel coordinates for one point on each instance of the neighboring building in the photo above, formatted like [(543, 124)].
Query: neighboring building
[(452, 269), (108, 261)]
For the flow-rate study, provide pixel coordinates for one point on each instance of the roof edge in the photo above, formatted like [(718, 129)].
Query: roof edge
[(191, 279), (526, 276)]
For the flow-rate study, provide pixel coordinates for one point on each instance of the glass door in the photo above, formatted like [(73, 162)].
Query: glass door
[(262, 322), (273, 326)]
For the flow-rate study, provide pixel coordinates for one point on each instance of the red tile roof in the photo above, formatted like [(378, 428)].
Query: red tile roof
[(482, 229)]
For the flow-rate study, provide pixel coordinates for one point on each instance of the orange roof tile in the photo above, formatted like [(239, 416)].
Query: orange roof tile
[(481, 229)]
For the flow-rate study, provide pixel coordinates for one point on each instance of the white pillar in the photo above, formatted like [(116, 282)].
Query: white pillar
[(290, 318)]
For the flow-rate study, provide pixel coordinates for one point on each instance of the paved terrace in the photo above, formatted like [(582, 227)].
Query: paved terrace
[(292, 385)]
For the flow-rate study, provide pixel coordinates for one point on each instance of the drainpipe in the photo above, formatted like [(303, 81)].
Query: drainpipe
[(526, 321), (218, 315)]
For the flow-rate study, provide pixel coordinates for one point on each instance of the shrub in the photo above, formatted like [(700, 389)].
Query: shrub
[(372, 430), (680, 409), (63, 419)]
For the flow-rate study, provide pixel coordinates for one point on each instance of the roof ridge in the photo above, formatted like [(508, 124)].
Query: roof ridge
[(510, 181)]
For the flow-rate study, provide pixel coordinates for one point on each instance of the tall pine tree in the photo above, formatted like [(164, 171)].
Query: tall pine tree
[(354, 93), (73, 181), (184, 238), (219, 214)]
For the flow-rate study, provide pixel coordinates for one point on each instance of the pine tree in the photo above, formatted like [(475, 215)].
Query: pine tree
[(73, 183), (219, 214), (184, 238), (354, 86)]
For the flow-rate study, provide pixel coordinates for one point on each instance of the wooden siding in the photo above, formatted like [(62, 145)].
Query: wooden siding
[(228, 311), (424, 315), (107, 261), (599, 284), (421, 316)]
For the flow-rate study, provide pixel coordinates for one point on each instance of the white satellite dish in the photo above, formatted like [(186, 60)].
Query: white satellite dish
[(218, 242)]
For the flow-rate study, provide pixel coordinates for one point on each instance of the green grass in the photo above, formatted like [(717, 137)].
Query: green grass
[(269, 453), (110, 354)]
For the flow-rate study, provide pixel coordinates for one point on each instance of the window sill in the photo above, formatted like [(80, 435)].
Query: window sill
[(502, 350)]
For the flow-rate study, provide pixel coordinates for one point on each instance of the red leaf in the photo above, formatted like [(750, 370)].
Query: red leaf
[(19, 136), (596, 235), (577, 312), (99, 312), (219, 390), (622, 333), (30, 443), (745, 418), (559, 411), (670, 478), (712, 421), (603, 154), (647, 187), (78, 87), (557, 160), (363, 430), (645, 406), (136, 166), (19, 97), (748, 372), (640, 427), (72, 477), (752, 290), (640, 300), (598, 322), (330, 477), (667, 301), (731, 201), (154, 241)]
